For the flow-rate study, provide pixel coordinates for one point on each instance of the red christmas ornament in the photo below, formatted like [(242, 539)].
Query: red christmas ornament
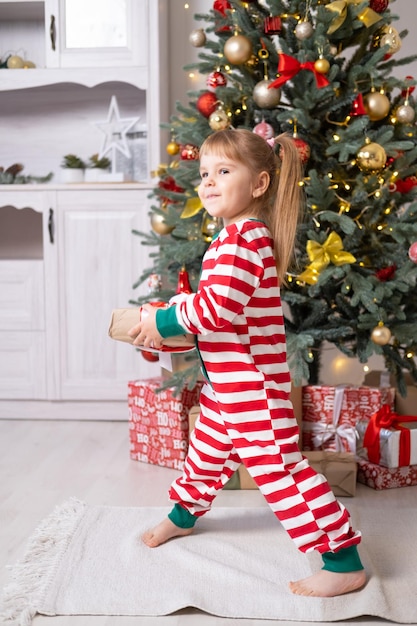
[(406, 185), (264, 130), (188, 152), (221, 6), (272, 25), (408, 90), (386, 273), (216, 79), (152, 357), (379, 5), (207, 103), (412, 252), (303, 149), (169, 184), (183, 285), (358, 107)]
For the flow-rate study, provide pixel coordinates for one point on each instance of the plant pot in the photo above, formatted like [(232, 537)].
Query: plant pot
[(72, 175)]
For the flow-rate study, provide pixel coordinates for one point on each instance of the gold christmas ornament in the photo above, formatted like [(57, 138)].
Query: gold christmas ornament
[(376, 105), (209, 227), (159, 226), (15, 62), (238, 49), (264, 97), (381, 335), (219, 120), (371, 157), (322, 65), (172, 148), (198, 38), (388, 36)]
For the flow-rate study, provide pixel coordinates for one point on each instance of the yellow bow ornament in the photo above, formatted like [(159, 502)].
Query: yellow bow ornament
[(368, 16), (320, 255)]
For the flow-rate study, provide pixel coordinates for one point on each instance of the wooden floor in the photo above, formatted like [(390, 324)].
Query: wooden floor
[(42, 463)]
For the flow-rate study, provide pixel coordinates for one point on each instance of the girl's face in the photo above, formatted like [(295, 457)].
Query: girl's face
[(228, 188)]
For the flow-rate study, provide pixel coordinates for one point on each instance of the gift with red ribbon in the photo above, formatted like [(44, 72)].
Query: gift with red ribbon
[(289, 66), (388, 439), (330, 414)]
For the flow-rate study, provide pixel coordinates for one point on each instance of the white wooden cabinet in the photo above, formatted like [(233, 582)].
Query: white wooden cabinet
[(98, 260), (55, 310), (67, 252), (95, 33)]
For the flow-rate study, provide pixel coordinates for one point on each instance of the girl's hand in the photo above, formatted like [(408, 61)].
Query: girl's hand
[(146, 333)]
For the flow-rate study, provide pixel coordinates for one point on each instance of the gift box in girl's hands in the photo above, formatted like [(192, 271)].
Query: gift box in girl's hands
[(122, 320)]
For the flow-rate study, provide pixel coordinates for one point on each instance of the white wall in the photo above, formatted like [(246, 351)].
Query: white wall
[(336, 368)]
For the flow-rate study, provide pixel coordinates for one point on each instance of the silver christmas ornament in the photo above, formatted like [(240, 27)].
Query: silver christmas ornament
[(198, 38), (264, 97), (405, 114), (303, 30)]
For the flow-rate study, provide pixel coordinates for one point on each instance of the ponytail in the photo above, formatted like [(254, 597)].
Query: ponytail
[(286, 210)]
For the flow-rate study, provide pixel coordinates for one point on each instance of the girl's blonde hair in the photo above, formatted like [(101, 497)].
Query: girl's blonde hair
[(280, 205)]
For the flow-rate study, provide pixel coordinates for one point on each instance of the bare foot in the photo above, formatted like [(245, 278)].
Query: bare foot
[(327, 584), (162, 532)]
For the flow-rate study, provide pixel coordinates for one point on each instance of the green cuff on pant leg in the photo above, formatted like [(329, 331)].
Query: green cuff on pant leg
[(345, 560), (181, 517)]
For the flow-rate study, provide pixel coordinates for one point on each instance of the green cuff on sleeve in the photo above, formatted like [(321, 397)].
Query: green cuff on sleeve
[(166, 323)]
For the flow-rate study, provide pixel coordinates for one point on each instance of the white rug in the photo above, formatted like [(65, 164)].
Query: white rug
[(88, 560)]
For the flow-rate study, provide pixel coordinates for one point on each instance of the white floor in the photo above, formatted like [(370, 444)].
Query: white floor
[(42, 463)]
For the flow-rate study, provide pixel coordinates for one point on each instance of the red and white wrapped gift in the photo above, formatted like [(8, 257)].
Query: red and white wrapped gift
[(330, 414), (388, 439), (379, 477), (158, 422)]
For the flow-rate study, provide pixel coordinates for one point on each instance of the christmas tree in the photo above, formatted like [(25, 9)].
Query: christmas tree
[(330, 74)]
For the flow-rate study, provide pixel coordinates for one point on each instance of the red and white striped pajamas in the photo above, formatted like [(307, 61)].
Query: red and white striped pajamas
[(246, 414)]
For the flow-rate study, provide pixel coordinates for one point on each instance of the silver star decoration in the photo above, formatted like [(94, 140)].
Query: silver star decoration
[(115, 129)]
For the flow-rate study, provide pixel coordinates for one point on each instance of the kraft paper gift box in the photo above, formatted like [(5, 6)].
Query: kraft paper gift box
[(388, 439), (330, 414), (340, 469), (379, 477), (241, 479), (159, 422)]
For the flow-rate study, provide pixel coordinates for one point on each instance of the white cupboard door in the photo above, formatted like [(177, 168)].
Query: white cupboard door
[(22, 336), (96, 33), (99, 261)]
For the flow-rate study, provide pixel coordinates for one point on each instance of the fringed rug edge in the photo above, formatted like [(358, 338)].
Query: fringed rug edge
[(31, 576)]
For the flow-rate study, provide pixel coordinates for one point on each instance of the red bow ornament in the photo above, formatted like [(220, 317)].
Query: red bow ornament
[(386, 418), (288, 67)]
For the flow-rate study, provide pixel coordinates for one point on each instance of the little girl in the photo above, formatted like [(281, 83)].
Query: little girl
[(245, 412)]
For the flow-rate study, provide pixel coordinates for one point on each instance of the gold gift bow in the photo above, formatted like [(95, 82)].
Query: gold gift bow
[(320, 255), (192, 207), (368, 16)]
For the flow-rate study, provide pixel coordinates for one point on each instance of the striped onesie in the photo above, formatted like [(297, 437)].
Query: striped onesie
[(246, 415)]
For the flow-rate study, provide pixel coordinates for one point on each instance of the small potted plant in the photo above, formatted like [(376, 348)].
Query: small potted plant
[(72, 169), (95, 168)]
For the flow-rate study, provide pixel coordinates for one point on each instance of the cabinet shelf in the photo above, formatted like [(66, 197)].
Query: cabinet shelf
[(88, 77)]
